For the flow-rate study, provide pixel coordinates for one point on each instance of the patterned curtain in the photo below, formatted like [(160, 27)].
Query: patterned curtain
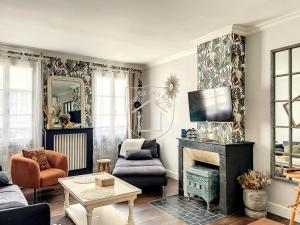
[(133, 119)]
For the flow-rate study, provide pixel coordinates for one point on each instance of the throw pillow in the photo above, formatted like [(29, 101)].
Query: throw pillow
[(151, 145), (4, 180), (138, 155), (39, 156)]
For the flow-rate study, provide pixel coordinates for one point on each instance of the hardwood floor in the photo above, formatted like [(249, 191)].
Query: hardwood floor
[(144, 213)]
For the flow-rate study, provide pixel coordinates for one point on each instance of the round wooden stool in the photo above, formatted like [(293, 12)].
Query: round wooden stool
[(103, 165), (295, 174)]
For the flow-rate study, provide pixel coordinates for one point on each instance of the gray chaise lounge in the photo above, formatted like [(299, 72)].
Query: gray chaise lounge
[(141, 173)]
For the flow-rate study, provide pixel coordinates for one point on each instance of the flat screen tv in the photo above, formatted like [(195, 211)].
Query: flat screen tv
[(211, 105)]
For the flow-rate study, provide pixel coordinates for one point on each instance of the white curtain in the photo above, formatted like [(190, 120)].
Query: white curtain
[(20, 106), (110, 120)]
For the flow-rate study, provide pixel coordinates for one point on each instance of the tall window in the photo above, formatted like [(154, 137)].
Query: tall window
[(110, 115), (19, 118), (110, 112)]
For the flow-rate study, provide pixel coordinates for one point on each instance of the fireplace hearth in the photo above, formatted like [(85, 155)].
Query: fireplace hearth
[(232, 160)]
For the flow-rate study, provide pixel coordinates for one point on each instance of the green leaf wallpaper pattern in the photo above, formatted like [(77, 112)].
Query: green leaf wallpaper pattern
[(221, 62)]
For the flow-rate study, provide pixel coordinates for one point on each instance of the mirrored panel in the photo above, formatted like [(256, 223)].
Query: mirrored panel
[(296, 60), (281, 62), (282, 88), (68, 94), (281, 116)]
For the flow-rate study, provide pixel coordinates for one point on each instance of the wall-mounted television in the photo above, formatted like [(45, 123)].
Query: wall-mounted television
[(211, 105)]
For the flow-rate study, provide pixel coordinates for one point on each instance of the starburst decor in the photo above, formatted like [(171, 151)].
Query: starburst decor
[(172, 86)]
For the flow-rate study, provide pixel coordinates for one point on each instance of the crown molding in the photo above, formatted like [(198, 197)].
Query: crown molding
[(171, 57), (237, 29), (272, 22)]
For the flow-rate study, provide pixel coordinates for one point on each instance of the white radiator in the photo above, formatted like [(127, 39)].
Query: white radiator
[(74, 147)]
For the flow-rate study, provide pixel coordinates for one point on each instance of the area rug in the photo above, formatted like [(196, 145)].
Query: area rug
[(191, 212)]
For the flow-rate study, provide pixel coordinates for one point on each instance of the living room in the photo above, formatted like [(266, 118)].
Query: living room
[(147, 112)]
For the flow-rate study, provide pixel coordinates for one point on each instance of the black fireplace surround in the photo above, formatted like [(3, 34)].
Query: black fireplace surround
[(235, 159)]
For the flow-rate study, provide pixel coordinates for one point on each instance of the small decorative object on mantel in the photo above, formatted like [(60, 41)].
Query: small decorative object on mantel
[(192, 133), (183, 133), (104, 180), (51, 114), (65, 121), (254, 194)]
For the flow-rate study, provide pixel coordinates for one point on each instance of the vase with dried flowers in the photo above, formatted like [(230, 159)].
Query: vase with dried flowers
[(51, 113), (254, 194)]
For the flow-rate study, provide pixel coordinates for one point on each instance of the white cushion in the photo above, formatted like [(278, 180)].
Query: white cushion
[(131, 144)]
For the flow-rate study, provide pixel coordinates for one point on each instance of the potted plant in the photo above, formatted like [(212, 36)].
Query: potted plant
[(254, 194)]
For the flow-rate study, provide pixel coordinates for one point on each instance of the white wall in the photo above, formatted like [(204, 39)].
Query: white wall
[(186, 71), (258, 90)]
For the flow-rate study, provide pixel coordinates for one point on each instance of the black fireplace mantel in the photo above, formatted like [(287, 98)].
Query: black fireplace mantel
[(235, 159)]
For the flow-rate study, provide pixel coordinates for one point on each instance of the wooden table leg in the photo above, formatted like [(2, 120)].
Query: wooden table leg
[(130, 210), (67, 202), (293, 210), (89, 216)]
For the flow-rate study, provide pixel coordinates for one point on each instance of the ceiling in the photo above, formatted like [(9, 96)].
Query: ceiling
[(132, 31)]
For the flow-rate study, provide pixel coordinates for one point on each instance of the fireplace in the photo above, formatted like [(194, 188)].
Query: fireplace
[(231, 159)]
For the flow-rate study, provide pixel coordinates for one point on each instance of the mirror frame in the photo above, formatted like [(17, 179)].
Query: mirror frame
[(72, 79)]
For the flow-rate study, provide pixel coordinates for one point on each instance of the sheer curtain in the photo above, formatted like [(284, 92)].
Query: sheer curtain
[(20, 119), (110, 126)]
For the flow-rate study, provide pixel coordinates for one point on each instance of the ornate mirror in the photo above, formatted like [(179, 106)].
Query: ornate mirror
[(69, 94)]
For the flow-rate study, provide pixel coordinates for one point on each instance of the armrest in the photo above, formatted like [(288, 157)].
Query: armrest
[(38, 214), (25, 172), (57, 160)]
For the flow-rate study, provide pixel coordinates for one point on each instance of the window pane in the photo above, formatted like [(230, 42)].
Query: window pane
[(120, 121), (103, 121), (20, 78), (20, 102), (103, 105), (17, 121), (281, 62), (120, 106), (20, 134), (281, 116), (282, 88), (281, 135), (296, 86), (296, 60), (104, 86), (1, 102), (1, 77), (296, 113), (120, 87)]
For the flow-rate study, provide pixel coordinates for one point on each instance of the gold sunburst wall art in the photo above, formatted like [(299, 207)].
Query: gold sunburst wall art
[(172, 86)]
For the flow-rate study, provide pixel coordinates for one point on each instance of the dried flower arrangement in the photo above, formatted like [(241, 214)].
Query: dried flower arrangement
[(254, 180), (51, 114)]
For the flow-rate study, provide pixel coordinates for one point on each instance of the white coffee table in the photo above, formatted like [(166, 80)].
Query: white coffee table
[(94, 202)]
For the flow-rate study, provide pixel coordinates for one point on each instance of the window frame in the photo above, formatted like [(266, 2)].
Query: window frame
[(290, 74)]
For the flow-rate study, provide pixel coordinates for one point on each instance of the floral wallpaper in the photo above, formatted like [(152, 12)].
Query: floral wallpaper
[(71, 68), (221, 62)]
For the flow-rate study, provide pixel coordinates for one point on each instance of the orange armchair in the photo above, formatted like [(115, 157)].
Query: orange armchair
[(26, 172)]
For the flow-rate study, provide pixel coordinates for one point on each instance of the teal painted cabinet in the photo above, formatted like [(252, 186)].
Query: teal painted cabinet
[(203, 182)]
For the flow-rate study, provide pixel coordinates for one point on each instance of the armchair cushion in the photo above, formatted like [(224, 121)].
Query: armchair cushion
[(57, 160), (50, 176), (37, 155)]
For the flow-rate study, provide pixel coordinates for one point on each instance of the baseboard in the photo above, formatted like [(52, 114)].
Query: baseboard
[(172, 174), (280, 211)]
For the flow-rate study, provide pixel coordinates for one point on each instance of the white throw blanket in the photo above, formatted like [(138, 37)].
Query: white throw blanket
[(131, 144)]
